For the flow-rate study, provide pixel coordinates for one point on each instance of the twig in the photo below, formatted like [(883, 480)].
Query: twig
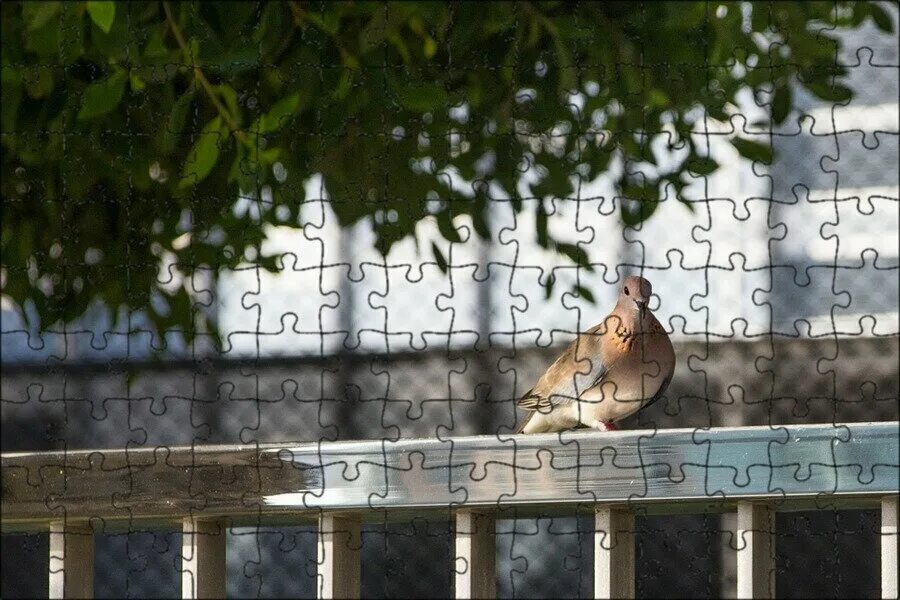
[(198, 73)]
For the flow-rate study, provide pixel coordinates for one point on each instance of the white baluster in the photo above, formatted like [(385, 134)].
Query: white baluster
[(203, 558), (71, 559), (476, 552), (755, 543), (338, 556), (613, 553)]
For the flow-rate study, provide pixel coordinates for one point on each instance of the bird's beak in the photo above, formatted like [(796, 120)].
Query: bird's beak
[(642, 307)]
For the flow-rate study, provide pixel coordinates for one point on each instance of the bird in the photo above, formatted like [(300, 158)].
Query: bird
[(623, 364)]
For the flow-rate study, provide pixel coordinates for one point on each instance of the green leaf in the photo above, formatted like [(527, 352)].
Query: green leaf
[(102, 14), (430, 47), (648, 191), (229, 97), (445, 226), (639, 202), (39, 81), (831, 93), (175, 124), (557, 182), (676, 183), (781, 103), (881, 17), (37, 14), (236, 60), (275, 118), (422, 98), (703, 165), (753, 150), (633, 215), (71, 43), (585, 293), (268, 156), (439, 257), (156, 47), (104, 96), (576, 254), (567, 79), (203, 156), (9, 108), (541, 224), (234, 173), (657, 97), (137, 84)]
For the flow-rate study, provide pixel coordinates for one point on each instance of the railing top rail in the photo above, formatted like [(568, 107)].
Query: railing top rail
[(675, 466)]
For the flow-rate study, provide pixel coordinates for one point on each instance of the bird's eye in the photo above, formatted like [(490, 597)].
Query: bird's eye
[(626, 292)]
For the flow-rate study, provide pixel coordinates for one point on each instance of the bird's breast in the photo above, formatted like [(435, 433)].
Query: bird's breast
[(643, 362)]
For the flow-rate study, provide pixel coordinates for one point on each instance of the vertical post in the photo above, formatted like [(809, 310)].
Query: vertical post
[(613, 553), (755, 551), (727, 559), (476, 555), (889, 556), (338, 556), (71, 559), (202, 558)]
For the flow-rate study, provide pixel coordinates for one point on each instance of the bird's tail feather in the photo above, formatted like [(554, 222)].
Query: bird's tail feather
[(525, 421)]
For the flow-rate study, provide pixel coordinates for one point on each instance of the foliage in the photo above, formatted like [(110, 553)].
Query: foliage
[(130, 129)]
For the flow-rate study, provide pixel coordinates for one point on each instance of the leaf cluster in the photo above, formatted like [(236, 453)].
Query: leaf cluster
[(146, 142)]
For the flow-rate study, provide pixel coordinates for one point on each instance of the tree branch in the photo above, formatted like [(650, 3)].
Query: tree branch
[(204, 82)]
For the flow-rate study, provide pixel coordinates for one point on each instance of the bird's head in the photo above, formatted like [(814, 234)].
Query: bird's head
[(635, 293)]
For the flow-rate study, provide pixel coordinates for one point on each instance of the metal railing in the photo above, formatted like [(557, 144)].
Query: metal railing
[(754, 471)]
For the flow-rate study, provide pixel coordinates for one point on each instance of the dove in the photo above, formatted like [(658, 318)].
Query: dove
[(609, 372)]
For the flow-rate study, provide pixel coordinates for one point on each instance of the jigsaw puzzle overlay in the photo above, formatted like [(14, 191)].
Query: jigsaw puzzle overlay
[(332, 304)]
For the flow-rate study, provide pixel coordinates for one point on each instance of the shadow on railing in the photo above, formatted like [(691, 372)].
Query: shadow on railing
[(751, 470)]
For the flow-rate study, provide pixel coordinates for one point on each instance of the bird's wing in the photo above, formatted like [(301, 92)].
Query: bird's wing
[(524, 422), (659, 392), (668, 379), (579, 368)]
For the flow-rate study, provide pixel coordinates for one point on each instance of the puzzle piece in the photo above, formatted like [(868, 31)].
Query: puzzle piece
[(384, 222)]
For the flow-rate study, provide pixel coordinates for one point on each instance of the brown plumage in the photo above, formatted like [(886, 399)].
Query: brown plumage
[(609, 372)]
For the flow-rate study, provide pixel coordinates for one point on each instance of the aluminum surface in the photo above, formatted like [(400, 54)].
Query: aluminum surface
[(813, 462)]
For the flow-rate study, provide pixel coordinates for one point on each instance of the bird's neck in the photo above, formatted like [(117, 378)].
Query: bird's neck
[(630, 315)]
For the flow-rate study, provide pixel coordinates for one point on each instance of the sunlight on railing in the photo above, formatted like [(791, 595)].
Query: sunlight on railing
[(753, 471)]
